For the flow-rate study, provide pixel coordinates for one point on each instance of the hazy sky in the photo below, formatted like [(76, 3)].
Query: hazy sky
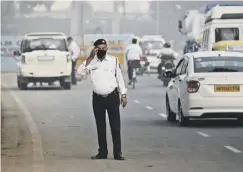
[(131, 6)]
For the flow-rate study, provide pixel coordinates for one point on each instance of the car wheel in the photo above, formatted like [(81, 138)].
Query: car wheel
[(183, 121), (171, 116), (67, 85)]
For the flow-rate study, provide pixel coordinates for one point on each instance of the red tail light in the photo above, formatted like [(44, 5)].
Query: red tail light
[(193, 86), (142, 59)]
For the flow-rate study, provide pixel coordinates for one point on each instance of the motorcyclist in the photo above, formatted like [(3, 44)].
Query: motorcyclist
[(191, 46), (166, 54)]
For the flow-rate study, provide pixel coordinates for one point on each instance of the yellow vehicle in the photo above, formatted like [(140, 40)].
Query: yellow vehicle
[(228, 46), (117, 50)]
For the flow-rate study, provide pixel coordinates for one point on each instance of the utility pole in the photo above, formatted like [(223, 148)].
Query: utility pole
[(157, 17), (82, 22)]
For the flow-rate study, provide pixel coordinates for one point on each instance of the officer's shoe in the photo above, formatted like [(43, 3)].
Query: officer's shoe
[(119, 157), (99, 156)]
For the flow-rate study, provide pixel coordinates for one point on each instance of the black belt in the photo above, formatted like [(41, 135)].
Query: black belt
[(115, 91)]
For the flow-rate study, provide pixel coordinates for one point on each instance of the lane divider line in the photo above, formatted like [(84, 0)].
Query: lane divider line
[(136, 101), (233, 149), (203, 134), (148, 107), (162, 115)]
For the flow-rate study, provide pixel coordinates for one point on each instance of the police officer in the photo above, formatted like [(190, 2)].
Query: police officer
[(108, 93)]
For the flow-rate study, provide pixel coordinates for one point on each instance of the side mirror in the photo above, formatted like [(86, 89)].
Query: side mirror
[(16, 53)]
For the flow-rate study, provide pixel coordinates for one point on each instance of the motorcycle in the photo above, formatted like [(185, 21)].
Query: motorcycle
[(144, 66), (168, 65)]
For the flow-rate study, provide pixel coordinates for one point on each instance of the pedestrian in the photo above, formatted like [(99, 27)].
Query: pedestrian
[(75, 51), (109, 92)]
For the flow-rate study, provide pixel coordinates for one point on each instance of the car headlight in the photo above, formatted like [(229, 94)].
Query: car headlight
[(163, 68)]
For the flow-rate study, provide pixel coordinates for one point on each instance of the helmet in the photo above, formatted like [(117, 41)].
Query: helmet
[(167, 45)]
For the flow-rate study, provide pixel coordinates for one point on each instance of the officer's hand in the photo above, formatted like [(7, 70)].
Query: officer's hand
[(93, 52), (123, 101)]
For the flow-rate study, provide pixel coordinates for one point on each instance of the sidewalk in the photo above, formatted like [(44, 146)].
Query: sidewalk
[(16, 149)]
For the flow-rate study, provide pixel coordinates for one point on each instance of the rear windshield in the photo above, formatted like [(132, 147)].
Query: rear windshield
[(218, 64), (153, 44), (44, 44)]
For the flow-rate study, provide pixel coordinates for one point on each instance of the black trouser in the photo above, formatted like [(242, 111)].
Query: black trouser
[(110, 103), (132, 64), (74, 79), (159, 69), (129, 67)]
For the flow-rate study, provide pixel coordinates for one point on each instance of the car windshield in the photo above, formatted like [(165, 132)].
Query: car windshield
[(218, 64), (44, 44), (153, 44)]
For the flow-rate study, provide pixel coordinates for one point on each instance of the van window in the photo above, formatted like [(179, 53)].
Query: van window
[(44, 44), (206, 38), (226, 34)]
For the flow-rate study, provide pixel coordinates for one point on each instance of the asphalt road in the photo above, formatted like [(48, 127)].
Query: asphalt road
[(63, 132)]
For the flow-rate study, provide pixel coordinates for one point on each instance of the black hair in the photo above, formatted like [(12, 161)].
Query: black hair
[(134, 40)]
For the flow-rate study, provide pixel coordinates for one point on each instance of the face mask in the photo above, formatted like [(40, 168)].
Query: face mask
[(101, 53)]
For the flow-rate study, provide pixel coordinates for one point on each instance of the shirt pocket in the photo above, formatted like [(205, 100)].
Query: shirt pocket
[(110, 70)]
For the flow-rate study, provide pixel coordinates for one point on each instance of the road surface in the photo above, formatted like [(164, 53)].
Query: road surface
[(59, 134)]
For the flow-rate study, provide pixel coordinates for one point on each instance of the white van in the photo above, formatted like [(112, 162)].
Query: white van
[(44, 57), (223, 23), (152, 45)]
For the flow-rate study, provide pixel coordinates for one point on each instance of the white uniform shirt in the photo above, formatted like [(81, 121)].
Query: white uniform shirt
[(103, 75), (134, 52), (75, 50)]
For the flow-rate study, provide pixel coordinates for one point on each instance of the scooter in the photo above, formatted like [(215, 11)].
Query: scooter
[(165, 68), (144, 66)]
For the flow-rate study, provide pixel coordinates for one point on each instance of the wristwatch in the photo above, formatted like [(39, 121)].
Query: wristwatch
[(124, 95)]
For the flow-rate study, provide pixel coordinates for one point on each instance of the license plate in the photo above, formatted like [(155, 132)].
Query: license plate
[(226, 88), (45, 58)]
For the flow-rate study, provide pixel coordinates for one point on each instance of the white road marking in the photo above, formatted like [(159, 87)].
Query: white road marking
[(163, 115), (233, 149), (148, 107), (203, 134), (136, 101), (38, 158)]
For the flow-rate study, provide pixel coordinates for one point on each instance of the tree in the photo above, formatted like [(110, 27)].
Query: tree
[(28, 6)]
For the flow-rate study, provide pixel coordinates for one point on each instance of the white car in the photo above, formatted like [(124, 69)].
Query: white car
[(44, 57), (206, 85)]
